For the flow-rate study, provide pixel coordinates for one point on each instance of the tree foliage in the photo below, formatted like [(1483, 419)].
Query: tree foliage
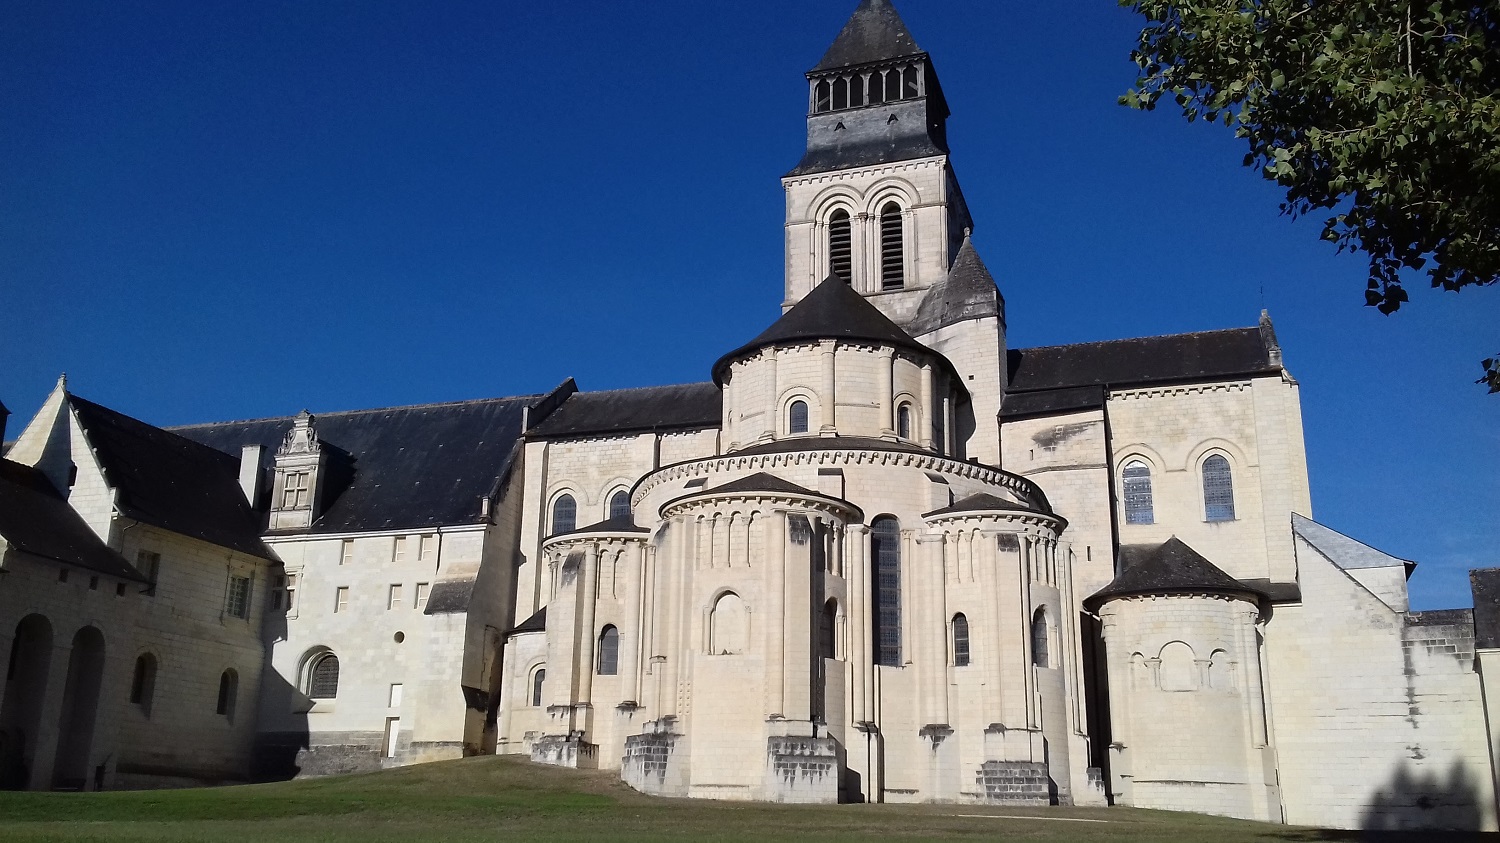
[(1385, 113)]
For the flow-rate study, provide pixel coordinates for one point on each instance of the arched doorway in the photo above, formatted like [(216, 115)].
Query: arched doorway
[(80, 704), (25, 686)]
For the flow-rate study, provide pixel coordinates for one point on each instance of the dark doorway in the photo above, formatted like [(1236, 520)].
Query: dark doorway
[(25, 686)]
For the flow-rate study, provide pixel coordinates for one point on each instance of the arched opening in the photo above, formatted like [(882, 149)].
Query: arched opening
[(537, 680), (728, 628), (892, 252), (857, 91), (1138, 509), (822, 97), (143, 682), (619, 505), (877, 87), (828, 630), (911, 87), (1178, 668), (903, 421), (21, 714), (840, 94), (893, 85), (1041, 655), (1218, 489), (1220, 672), (229, 693), (885, 558), (609, 651), (797, 417), (323, 677), (960, 640), (840, 245), (80, 705), (564, 515)]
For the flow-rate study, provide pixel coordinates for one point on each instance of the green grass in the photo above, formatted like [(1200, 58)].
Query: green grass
[(509, 799)]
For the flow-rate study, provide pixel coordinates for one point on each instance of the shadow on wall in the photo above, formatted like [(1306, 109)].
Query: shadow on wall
[(1431, 808), (283, 715)]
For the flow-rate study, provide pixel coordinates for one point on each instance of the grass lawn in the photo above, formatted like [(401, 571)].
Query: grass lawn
[(509, 799)]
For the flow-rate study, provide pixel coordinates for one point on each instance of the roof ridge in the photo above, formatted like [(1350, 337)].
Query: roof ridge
[(333, 413), (195, 444), (643, 388), (1134, 339)]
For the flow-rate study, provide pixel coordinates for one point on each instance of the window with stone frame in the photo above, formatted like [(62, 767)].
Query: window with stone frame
[(323, 677), (1218, 489), (619, 505), (537, 680), (840, 245), (564, 515), (885, 559), (903, 421), (797, 417), (1138, 504), (237, 597), (892, 248), (229, 690), (609, 651), (1040, 639), (960, 640), (294, 489), (143, 682)]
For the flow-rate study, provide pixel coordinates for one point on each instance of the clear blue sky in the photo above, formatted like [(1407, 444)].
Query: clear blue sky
[(219, 210)]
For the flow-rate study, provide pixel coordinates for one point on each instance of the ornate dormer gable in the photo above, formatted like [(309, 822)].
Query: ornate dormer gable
[(301, 464)]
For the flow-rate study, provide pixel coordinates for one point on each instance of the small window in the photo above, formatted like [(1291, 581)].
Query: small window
[(229, 689), (892, 250), (400, 552), (1138, 508), (294, 490), (840, 245), (564, 515), (237, 602), (421, 601), (536, 685), (393, 700), (291, 594), (143, 682), (1039, 639), (1218, 489), (609, 651), (960, 640), (323, 677), (346, 552), (797, 417), (619, 505), (903, 421), (394, 601), (427, 548), (341, 599), (149, 564)]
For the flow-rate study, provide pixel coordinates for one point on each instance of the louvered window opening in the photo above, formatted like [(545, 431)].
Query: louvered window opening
[(960, 641), (1138, 509), (1218, 489), (874, 88), (892, 257), (885, 552), (840, 246), (323, 684), (609, 651)]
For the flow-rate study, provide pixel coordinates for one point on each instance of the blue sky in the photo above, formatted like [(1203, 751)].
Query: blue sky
[(218, 210)]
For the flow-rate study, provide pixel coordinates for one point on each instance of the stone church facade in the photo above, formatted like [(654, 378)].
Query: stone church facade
[(878, 556)]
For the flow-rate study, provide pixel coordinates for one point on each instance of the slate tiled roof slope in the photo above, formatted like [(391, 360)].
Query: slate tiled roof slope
[(1068, 377), (692, 406), (171, 481), (875, 32), (400, 467), (1169, 568), (36, 519)]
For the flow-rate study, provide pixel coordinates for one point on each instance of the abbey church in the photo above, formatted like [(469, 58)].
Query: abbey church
[(877, 556)]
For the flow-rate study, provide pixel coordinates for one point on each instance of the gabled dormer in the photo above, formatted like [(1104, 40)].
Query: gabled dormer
[(301, 469)]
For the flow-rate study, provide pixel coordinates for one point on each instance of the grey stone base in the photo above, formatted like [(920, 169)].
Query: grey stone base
[(803, 769), (651, 763), (565, 751), (1015, 783)]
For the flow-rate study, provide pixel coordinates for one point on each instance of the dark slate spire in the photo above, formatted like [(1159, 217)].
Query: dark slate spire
[(831, 311), (969, 292), (874, 33)]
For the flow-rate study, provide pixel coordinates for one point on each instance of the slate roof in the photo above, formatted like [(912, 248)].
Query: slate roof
[(762, 482), (969, 292), (1174, 358), (819, 443), (875, 32), (681, 407), (36, 519), (171, 481), (833, 310), (400, 467), (535, 623), (1485, 584), (622, 524), (979, 503), (1441, 617), (1169, 568), (1344, 552)]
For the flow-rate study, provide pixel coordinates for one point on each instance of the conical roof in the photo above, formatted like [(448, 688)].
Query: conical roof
[(874, 33), (969, 292), (833, 310), (1170, 568)]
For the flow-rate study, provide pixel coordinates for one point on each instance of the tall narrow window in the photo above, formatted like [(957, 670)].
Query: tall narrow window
[(840, 245), (903, 421), (619, 505), (1218, 490), (536, 685), (877, 87), (237, 597), (1039, 639), (346, 552), (856, 91), (564, 515), (420, 602), (893, 85), (960, 640), (892, 255), (885, 554), (797, 417), (822, 97), (840, 94), (1137, 477), (323, 677), (229, 688), (143, 682), (149, 564), (827, 629), (609, 651)]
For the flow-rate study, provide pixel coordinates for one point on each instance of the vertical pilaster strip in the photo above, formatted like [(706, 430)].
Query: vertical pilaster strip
[(924, 420), (886, 388), (771, 627), (858, 575), (989, 627), (588, 635), (630, 657), (830, 395), (773, 396)]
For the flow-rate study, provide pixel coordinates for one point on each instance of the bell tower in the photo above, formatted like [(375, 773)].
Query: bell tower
[(874, 199)]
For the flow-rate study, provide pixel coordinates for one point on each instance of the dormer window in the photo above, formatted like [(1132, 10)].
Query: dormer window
[(299, 465)]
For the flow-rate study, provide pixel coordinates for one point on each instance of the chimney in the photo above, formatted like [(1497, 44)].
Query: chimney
[(250, 472)]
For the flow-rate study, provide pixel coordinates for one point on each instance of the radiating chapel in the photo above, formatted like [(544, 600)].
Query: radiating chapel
[(878, 556)]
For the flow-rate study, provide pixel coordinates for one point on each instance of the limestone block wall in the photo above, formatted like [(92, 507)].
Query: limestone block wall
[(523, 713), (1186, 704), (1256, 426), (977, 349), (1378, 723)]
